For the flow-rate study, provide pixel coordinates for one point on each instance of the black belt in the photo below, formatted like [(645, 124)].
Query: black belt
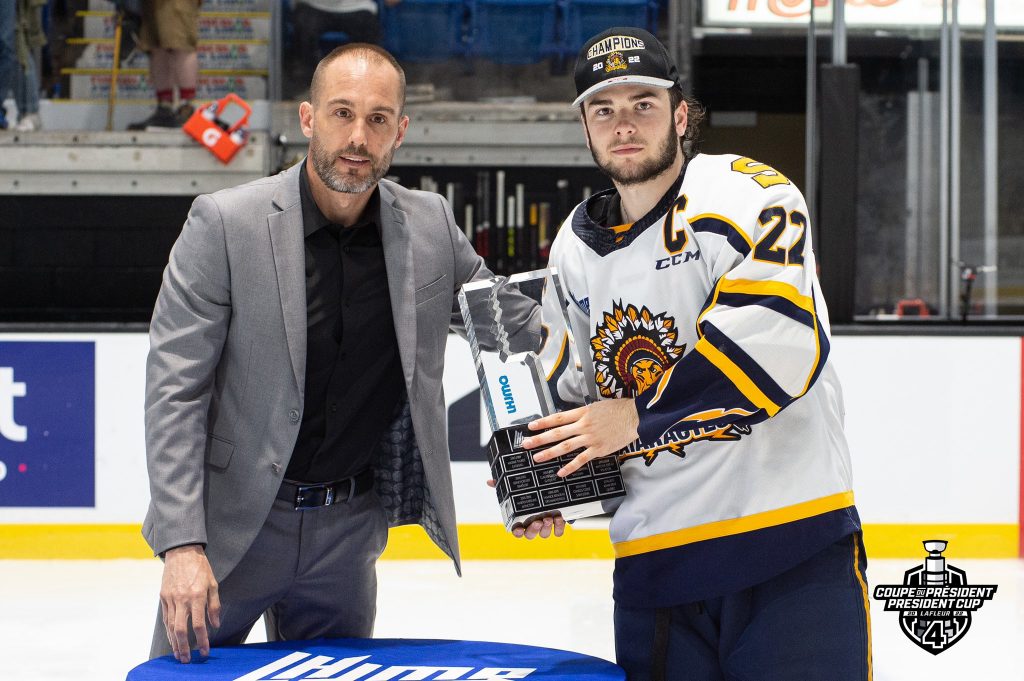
[(314, 495)]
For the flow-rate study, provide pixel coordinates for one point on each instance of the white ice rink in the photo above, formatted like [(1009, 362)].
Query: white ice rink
[(92, 620)]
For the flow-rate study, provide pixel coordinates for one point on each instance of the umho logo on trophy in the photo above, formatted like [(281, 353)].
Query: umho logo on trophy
[(524, 377), (935, 601)]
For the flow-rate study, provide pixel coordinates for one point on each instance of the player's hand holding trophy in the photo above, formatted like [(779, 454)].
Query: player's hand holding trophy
[(519, 387)]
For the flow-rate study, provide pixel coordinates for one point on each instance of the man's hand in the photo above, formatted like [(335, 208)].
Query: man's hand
[(543, 527), (188, 591), (599, 429)]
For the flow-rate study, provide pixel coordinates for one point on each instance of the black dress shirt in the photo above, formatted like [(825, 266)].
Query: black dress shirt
[(353, 372)]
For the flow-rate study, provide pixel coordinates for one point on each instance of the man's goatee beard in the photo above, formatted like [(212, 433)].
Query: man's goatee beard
[(323, 164)]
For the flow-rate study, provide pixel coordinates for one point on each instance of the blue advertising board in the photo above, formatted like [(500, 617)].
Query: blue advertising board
[(47, 424)]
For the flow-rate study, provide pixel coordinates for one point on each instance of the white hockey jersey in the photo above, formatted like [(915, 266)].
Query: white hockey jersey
[(708, 311)]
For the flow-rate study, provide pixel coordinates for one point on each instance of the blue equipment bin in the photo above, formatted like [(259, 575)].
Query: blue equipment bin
[(514, 31), (586, 18), (424, 30)]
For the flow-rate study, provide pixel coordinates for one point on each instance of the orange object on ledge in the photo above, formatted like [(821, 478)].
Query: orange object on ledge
[(912, 307), (220, 126)]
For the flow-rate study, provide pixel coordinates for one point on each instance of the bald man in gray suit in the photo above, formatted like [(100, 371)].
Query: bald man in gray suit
[(294, 406)]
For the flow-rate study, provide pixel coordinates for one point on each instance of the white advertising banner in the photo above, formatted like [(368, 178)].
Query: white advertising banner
[(891, 14), (933, 424)]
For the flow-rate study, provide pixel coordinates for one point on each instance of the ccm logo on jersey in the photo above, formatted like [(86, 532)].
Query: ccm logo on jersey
[(676, 259), (581, 303)]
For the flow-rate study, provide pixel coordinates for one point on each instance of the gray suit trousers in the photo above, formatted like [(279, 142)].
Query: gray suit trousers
[(313, 573)]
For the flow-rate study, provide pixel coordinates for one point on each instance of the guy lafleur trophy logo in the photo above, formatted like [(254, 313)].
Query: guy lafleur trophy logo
[(935, 602)]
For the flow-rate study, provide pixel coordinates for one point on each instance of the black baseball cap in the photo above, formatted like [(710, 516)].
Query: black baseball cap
[(620, 55)]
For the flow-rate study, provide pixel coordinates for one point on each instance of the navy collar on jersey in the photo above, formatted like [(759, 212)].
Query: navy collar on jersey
[(591, 223)]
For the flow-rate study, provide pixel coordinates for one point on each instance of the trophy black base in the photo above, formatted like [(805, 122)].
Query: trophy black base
[(527, 490)]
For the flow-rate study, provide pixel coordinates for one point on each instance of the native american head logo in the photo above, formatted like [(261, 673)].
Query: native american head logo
[(615, 62), (632, 349)]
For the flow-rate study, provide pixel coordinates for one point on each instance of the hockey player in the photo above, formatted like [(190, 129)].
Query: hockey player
[(692, 284)]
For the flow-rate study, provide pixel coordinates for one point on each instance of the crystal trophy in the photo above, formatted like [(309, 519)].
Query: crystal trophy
[(518, 387)]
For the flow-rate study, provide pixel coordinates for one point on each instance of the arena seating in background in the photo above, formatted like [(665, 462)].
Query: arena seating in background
[(502, 31), (513, 31), (332, 39), (582, 19), (425, 30)]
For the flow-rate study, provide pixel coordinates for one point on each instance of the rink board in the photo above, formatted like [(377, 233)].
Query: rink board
[(934, 425)]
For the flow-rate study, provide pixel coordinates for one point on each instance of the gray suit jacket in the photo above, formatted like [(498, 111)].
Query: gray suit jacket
[(225, 372)]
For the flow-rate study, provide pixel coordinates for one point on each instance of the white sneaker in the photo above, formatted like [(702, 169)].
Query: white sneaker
[(29, 123)]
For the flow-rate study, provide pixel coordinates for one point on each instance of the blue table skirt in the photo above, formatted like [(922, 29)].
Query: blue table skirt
[(382, 660)]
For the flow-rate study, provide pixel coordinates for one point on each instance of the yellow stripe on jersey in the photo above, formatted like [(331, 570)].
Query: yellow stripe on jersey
[(710, 306), (768, 288), (620, 231), (867, 600), (662, 382), (724, 364), (817, 356), (780, 290), (736, 375), (665, 377), (733, 526), (561, 355)]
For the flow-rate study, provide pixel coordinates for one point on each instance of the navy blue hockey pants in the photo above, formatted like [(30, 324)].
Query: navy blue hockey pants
[(810, 623)]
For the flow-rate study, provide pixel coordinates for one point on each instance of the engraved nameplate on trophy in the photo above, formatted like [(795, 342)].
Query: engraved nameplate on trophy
[(519, 387)]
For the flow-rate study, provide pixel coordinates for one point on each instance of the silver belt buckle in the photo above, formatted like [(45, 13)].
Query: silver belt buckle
[(330, 496), (300, 496)]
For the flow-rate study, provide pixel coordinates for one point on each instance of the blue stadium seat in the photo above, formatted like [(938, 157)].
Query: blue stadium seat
[(514, 31), (586, 18), (332, 39), (424, 30)]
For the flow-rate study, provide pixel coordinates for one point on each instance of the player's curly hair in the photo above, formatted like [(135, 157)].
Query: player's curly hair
[(689, 142)]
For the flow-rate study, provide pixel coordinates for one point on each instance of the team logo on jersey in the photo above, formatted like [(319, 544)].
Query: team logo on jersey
[(632, 349), (615, 62), (650, 454), (934, 602), (710, 428)]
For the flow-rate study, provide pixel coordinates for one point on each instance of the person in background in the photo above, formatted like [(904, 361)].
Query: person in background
[(357, 19), (170, 34), (738, 546), (29, 37)]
